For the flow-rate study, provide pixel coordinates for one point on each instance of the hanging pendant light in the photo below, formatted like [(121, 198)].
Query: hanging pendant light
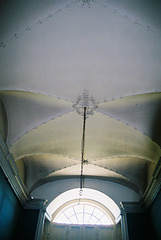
[(82, 152), (84, 106)]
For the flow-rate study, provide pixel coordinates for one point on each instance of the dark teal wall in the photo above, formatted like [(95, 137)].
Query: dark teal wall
[(138, 226), (16, 223), (155, 216), (10, 210), (27, 227), (146, 225)]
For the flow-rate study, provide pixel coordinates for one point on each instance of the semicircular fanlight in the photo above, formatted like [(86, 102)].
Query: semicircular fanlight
[(84, 213)]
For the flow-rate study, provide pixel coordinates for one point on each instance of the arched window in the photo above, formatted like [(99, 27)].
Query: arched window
[(84, 212), (93, 207)]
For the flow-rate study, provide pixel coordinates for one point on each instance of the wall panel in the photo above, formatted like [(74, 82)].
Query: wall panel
[(155, 216), (10, 210)]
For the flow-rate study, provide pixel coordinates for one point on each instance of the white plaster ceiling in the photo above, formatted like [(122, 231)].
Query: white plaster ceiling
[(49, 53)]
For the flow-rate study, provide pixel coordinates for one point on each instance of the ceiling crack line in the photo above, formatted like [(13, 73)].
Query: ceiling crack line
[(52, 14), (36, 127), (35, 92), (154, 91), (121, 156), (127, 124), (114, 171), (31, 27)]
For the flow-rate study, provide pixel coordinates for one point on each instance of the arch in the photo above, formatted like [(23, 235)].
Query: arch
[(90, 197)]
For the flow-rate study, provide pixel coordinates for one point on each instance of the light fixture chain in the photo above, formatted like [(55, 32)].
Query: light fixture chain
[(82, 151)]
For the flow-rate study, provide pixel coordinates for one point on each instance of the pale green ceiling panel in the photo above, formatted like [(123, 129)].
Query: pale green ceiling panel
[(26, 111), (140, 111), (40, 166), (132, 168), (105, 137), (61, 136)]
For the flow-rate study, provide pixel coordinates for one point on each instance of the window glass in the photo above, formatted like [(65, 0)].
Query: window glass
[(83, 213)]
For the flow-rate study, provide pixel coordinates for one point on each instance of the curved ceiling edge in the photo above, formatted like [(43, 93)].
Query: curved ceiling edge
[(19, 91), (124, 182), (133, 95)]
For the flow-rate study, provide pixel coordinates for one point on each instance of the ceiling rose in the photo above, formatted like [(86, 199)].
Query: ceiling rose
[(85, 2), (85, 101)]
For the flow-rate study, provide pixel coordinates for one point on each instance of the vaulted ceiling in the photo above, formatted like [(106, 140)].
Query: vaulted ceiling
[(51, 52)]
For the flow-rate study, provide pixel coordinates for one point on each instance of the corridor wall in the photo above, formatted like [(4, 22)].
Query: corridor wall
[(10, 210), (155, 216)]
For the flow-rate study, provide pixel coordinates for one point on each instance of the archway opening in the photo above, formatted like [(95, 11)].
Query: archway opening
[(92, 208)]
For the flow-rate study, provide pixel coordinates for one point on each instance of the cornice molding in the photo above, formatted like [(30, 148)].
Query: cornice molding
[(153, 187), (131, 207), (126, 208), (36, 204), (11, 172)]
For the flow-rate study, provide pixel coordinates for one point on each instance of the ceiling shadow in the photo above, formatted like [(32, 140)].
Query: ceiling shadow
[(156, 125)]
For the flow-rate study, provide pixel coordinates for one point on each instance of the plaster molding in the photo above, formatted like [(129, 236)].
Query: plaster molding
[(124, 226), (132, 207), (36, 204), (3, 146), (85, 101), (10, 170), (40, 225), (153, 187), (128, 207)]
